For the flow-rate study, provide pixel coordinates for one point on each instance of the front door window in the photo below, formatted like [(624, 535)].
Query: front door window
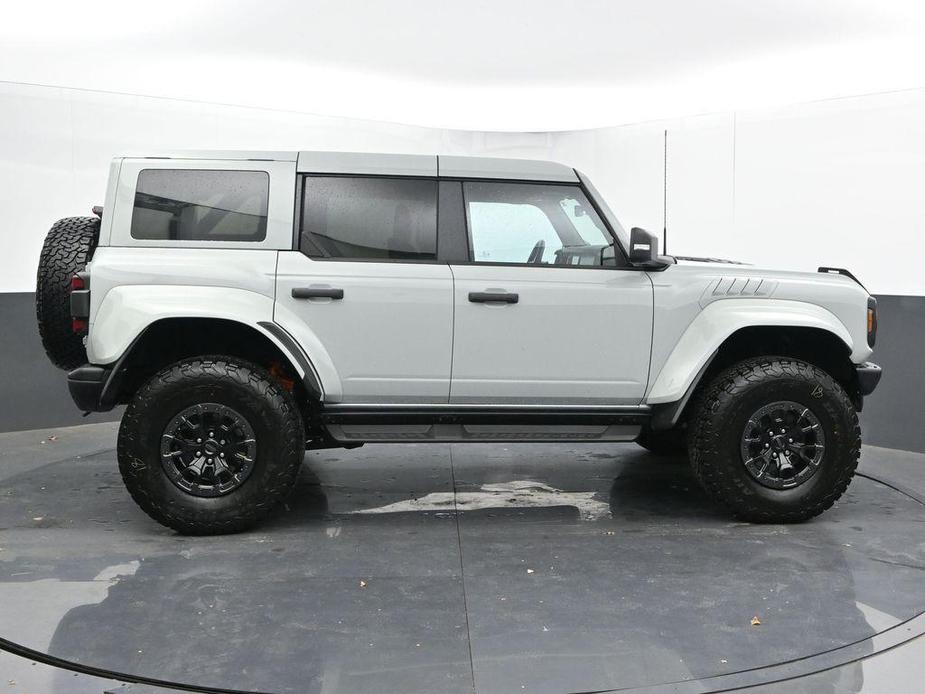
[(533, 224)]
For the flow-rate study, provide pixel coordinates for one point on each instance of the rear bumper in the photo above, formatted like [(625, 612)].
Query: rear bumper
[(87, 384), (868, 377)]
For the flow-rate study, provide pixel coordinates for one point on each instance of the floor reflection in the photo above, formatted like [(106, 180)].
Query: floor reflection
[(583, 568)]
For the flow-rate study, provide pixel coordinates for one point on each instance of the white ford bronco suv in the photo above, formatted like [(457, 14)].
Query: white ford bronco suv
[(249, 305)]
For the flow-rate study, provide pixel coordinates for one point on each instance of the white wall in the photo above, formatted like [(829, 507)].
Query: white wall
[(834, 183)]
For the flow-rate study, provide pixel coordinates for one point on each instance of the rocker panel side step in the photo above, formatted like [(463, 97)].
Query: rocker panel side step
[(446, 424)]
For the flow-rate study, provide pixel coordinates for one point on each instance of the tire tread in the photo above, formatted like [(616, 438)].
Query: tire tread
[(68, 247), (706, 426), (236, 373)]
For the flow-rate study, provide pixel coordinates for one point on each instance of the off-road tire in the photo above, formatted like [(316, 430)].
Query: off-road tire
[(670, 443), (242, 386), (721, 411), (69, 245)]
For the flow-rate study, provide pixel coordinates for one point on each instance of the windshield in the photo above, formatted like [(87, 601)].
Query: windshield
[(606, 211)]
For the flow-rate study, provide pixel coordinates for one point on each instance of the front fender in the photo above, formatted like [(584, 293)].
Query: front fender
[(717, 322)]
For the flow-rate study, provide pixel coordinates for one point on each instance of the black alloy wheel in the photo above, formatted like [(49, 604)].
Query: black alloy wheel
[(782, 445), (208, 449)]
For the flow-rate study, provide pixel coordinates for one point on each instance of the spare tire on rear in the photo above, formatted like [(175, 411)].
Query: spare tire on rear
[(68, 248)]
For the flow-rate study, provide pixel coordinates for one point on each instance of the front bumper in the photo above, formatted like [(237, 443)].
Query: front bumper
[(87, 384), (868, 375)]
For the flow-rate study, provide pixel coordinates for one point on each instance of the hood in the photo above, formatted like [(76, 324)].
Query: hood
[(841, 273)]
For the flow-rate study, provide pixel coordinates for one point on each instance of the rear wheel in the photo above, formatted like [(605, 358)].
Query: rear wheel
[(774, 440), (210, 445), (68, 248)]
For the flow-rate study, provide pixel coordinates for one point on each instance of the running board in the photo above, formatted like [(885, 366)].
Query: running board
[(446, 424)]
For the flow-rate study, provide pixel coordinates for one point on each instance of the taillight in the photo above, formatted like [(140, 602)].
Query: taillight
[(871, 321), (80, 303)]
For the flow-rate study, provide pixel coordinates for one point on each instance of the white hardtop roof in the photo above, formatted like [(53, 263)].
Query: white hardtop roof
[(390, 164)]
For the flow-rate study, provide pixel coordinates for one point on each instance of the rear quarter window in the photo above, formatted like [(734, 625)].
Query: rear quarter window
[(200, 205)]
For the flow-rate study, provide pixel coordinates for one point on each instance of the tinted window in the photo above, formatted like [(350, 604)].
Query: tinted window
[(369, 218), (533, 223), (199, 205)]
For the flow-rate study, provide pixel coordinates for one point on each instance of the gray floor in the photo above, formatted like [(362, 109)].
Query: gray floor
[(445, 568)]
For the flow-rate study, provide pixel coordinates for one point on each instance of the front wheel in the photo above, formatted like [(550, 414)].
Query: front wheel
[(775, 440), (210, 445)]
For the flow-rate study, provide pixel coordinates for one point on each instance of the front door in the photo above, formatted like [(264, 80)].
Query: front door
[(365, 296), (538, 320)]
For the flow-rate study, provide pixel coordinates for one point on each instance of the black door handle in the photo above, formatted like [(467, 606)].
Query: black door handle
[(317, 293), (493, 297)]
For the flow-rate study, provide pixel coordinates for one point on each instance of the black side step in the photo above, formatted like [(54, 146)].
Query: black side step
[(423, 424)]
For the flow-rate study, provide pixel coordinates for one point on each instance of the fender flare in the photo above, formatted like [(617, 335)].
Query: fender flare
[(127, 312), (702, 339)]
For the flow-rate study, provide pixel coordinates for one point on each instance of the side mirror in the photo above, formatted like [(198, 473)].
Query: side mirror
[(608, 256), (644, 249)]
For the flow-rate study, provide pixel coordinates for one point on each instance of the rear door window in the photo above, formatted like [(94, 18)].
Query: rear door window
[(384, 219), (200, 205)]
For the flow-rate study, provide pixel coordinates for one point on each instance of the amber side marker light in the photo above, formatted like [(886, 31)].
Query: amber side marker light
[(871, 321)]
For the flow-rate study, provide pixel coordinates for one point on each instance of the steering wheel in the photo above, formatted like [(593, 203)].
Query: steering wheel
[(536, 255)]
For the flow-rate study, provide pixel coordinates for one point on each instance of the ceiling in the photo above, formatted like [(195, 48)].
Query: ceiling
[(510, 65)]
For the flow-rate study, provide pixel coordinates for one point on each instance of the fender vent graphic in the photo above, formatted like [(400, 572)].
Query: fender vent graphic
[(734, 287), (743, 286)]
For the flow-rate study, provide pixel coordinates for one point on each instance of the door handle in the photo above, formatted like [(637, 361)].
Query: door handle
[(317, 293), (493, 297)]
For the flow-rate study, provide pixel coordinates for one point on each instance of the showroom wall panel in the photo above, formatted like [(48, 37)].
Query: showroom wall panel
[(831, 183), (700, 184), (838, 181)]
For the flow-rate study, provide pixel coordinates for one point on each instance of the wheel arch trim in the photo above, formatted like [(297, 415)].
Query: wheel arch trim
[(296, 354)]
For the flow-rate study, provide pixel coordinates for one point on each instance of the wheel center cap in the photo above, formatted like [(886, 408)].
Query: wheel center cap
[(212, 447), (782, 444)]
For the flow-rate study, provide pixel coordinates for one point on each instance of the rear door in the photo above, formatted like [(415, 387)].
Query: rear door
[(538, 319), (365, 294)]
